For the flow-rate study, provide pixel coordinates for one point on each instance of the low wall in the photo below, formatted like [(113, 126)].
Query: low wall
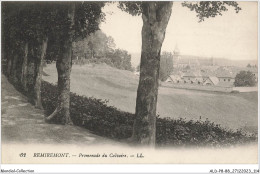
[(198, 87), (245, 89)]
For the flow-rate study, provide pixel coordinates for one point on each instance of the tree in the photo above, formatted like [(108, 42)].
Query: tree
[(11, 39), (207, 9), (27, 29), (96, 45), (26, 26), (166, 65), (75, 20), (120, 59), (155, 17), (245, 78), (99, 47), (138, 68)]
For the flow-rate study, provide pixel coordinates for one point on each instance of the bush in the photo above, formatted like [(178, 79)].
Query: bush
[(94, 115), (245, 78), (181, 132), (234, 91), (91, 113)]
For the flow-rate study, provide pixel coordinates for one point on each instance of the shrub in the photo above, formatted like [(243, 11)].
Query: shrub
[(245, 78), (91, 113), (94, 115), (234, 91)]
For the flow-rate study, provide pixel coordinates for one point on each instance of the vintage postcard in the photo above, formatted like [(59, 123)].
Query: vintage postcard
[(129, 82)]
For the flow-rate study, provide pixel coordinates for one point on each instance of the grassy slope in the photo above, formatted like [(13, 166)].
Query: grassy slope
[(101, 81)]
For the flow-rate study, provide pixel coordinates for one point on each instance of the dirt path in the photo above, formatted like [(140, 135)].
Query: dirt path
[(22, 123)]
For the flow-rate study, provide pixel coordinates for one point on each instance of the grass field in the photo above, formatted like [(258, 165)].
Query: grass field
[(233, 111)]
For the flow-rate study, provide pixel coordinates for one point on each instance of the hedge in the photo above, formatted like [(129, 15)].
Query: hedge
[(101, 119)]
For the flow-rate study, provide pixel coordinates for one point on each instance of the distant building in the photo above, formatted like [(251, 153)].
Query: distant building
[(174, 79), (211, 81), (193, 78), (219, 77), (226, 76), (176, 57), (196, 71)]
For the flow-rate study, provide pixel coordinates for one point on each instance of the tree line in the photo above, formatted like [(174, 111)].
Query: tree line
[(100, 48), (33, 29)]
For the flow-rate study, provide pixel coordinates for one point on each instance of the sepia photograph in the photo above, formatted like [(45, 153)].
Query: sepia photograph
[(129, 82)]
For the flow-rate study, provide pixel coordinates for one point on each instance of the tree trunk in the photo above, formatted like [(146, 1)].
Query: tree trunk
[(13, 72), (63, 64), (9, 63), (9, 66), (25, 67), (155, 20), (38, 77), (31, 71)]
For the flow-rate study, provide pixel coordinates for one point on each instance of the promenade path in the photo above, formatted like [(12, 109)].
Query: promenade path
[(23, 123)]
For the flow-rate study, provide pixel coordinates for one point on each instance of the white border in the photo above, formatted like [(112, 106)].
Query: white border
[(133, 168)]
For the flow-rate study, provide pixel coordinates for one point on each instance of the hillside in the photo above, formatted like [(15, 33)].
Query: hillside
[(119, 87), (204, 60), (220, 61)]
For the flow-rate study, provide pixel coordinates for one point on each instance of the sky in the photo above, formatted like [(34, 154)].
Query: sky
[(232, 35)]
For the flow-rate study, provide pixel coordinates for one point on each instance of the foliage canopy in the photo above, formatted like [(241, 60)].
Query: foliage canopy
[(245, 78)]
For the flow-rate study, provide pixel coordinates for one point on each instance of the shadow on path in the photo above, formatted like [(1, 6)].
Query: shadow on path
[(23, 123)]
